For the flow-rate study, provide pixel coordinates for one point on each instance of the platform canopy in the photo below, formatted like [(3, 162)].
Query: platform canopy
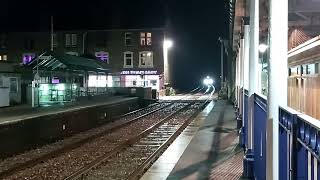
[(54, 62)]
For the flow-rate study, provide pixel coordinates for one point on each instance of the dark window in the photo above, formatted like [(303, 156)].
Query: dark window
[(128, 39), (3, 40), (13, 85), (101, 39), (29, 44)]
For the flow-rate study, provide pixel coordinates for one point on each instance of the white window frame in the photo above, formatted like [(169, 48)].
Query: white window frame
[(151, 59), (126, 37), (72, 53), (70, 40), (102, 52), (67, 40), (125, 59), (74, 39)]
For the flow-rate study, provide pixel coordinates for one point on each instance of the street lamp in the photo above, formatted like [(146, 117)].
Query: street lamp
[(262, 48), (167, 44), (208, 81)]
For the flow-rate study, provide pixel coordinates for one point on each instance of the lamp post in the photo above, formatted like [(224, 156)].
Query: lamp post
[(262, 49), (167, 44), (221, 61)]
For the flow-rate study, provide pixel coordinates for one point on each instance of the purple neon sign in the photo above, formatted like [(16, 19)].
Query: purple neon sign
[(26, 58), (103, 56)]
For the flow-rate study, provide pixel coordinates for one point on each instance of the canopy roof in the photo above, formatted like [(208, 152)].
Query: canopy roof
[(55, 61)]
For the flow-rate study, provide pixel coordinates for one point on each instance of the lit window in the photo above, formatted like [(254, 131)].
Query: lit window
[(127, 39), (128, 60), (27, 57), (103, 56), (145, 39), (146, 59), (149, 39), (3, 57), (71, 40)]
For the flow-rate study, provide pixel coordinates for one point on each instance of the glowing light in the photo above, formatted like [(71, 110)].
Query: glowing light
[(167, 44), (208, 81), (263, 47), (149, 54)]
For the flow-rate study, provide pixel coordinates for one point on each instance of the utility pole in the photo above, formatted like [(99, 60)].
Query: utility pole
[(221, 62), (51, 33)]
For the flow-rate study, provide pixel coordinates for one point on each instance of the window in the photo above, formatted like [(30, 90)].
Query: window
[(71, 40), (3, 40), (101, 39), (13, 85), (103, 56), (145, 39), (29, 44), (27, 57), (127, 39), (128, 59), (3, 57), (146, 59)]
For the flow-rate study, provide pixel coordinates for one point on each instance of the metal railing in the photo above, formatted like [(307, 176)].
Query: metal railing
[(299, 149), (299, 142)]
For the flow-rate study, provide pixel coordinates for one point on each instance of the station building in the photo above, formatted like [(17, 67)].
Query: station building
[(123, 58)]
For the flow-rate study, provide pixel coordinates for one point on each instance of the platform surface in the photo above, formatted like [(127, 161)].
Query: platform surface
[(14, 114), (210, 141)]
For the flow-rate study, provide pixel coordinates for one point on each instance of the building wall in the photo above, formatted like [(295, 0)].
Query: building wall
[(111, 41)]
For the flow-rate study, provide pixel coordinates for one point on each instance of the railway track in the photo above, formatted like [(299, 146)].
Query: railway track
[(60, 162), (130, 159), (24, 162)]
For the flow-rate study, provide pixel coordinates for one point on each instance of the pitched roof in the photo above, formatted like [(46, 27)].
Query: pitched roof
[(53, 61)]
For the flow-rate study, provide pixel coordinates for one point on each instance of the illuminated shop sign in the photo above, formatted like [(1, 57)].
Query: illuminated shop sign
[(153, 72)]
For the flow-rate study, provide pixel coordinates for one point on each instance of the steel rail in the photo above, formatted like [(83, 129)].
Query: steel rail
[(81, 173), (64, 149)]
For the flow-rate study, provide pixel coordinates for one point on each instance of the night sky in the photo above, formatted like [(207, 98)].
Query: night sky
[(195, 26)]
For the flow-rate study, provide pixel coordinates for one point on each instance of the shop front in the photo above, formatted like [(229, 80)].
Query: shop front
[(137, 78)]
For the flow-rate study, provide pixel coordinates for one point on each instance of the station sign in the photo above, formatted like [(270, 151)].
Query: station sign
[(136, 72)]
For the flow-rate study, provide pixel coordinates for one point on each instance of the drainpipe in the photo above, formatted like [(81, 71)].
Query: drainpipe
[(253, 63), (245, 51), (51, 33), (277, 80), (84, 36)]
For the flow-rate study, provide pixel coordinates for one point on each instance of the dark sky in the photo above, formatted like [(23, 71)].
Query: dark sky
[(195, 26)]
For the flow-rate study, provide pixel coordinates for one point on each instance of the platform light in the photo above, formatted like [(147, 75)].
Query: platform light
[(167, 44), (208, 81), (262, 48)]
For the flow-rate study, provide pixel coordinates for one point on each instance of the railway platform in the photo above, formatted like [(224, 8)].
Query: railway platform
[(23, 127), (203, 149), (18, 113)]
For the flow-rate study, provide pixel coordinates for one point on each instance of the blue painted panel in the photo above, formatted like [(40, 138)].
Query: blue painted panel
[(245, 120), (260, 124)]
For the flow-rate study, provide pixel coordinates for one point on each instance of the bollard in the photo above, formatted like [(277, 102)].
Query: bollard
[(248, 161), (239, 122)]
